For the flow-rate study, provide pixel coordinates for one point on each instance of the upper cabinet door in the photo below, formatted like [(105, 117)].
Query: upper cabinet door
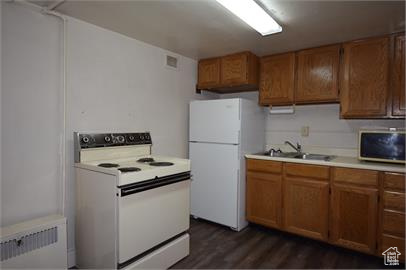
[(317, 76), (240, 69), (364, 80), (277, 79), (209, 73), (399, 107), (234, 69)]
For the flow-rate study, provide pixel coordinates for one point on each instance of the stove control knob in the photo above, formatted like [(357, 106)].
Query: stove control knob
[(85, 139), (142, 137), (120, 139), (131, 137), (147, 136), (107, 139)]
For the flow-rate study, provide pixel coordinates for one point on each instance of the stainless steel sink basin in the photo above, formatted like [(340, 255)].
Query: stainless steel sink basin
[(297, 155), (280, 154), (314, 156)]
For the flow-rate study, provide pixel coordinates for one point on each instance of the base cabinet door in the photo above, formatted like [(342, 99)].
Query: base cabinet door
[(264, 198), (306, 207), (353, 217)]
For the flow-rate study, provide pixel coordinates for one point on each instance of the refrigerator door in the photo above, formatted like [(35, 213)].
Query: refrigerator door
[(215, 180), (215, 121)]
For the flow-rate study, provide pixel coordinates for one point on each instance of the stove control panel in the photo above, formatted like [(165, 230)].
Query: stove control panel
[(93, 140)]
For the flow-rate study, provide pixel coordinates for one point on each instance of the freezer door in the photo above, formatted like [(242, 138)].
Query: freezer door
[(215, 121), (215, 178)]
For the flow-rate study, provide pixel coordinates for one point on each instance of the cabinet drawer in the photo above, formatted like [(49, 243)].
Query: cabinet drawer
[(264, 166), (393, 223), (310, 171), (395, 181), (394, 200), (356, 176), (389, 241)]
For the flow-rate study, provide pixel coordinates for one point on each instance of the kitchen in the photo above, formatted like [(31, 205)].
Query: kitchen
[(123, 73)]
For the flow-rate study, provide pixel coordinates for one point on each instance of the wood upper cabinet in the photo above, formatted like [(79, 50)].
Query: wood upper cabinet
[(239, 69), (305, 202), (264, 198), (399, 106), (364, 78), (230, 73), (354, 210), (317, 75), (209, 73), (277, 79)]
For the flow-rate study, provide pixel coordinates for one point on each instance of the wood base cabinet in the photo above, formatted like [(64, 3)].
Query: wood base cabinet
[(391, 231), (306, 207), (359, 209), (354, 217), (264, 199), (354, 209)]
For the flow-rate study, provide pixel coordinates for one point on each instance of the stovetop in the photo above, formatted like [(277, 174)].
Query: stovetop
[(139, 168)]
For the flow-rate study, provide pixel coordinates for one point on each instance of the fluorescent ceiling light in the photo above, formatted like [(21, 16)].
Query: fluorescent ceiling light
[(251, 13)]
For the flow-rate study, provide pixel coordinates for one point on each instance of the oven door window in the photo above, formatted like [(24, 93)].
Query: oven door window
[(388, 146), (150, 217)]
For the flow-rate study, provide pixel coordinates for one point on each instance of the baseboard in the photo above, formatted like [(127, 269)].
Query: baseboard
[(71, 258)]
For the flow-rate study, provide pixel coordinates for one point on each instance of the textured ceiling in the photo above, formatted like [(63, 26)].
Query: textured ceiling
[(203, 28)]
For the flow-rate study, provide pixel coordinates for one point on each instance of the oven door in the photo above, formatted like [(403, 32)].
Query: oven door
[(151, 213)]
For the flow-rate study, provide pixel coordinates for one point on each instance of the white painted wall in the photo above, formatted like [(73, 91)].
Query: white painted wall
[(115, 83), (1, 5), (30, 114)]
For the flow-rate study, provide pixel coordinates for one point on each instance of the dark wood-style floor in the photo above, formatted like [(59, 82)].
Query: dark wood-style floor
[(216, 246)]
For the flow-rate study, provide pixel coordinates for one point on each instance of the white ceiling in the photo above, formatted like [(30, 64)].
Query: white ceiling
[(203, 28)]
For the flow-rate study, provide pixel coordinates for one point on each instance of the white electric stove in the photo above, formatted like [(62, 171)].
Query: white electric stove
[(132, 207)]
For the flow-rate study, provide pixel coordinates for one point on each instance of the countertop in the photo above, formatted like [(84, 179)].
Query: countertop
[(339, 161)]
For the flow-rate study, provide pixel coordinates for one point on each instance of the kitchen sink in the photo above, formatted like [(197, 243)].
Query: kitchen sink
[(280, 154), (297, 155), (314, 156)]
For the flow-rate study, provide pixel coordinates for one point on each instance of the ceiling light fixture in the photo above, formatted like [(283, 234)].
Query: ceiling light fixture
[(251, 13)]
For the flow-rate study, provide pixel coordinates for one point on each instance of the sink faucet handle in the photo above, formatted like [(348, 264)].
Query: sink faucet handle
[(299, 147)]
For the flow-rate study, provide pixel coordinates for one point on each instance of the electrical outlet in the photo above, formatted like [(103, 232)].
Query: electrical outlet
[(304, 131)]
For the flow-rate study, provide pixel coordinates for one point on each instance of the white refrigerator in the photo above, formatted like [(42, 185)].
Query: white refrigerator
[(221, 132)]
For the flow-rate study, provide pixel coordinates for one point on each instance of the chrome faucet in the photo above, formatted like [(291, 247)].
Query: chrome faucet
[(298, 147)]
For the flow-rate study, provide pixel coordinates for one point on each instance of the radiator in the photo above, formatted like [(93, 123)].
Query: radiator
[(39, 243)]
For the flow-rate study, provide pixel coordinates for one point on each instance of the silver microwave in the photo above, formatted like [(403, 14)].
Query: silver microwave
[(382, 145)]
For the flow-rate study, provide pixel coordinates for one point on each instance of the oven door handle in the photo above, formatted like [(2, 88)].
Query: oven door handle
[(153, 184)]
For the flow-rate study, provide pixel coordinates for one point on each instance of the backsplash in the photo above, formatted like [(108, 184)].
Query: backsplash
[(326, 129)]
